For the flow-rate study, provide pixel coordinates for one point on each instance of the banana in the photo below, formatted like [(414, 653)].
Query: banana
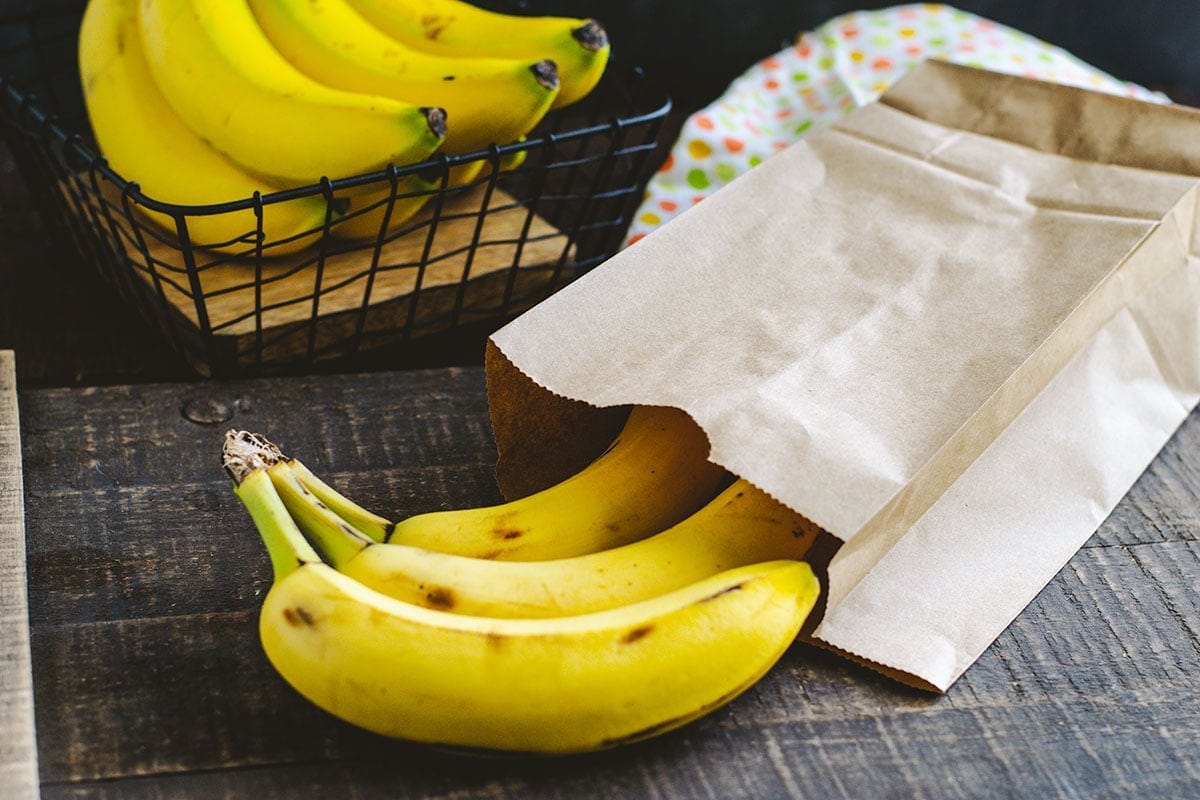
[(561, 685), (221, 74), (742, 526), (145, 141), (487, 100), (579, 47), (653, 475)]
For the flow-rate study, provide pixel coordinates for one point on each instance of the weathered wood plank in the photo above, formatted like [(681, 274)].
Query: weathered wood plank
[(150, 682), (18, 751)]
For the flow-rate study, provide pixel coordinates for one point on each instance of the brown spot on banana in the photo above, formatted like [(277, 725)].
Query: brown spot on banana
[(432, 25), (508, 534), (633, 634), (724, 591), (299, 615), (440, 597)]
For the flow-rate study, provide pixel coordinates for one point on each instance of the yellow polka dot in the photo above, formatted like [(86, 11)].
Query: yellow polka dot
[(880, 87), (856, 55), (699, 148), (650, 218), (908, 33)]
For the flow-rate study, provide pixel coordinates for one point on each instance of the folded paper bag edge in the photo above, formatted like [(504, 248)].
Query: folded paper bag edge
[(1095, 126)]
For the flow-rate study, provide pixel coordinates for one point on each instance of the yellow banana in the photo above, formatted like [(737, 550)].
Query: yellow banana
[(579, 47), (561, 685), (742, 526), (487, 100), (654, 474), (145, 141), (221, 74)]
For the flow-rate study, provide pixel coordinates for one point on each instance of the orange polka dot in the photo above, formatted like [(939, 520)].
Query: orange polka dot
[(734, 145), (914, 50), (779, 145), (771, 84), (966, 47), (803, 50), (668, 205), (696, 198), (704, 122), (850, 32), (637, 237), (750, 126), (666, 165), (783, 113), (881, 64), (769, 63)]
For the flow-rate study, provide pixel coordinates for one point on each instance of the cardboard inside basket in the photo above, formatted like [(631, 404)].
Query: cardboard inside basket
[(951, 329)]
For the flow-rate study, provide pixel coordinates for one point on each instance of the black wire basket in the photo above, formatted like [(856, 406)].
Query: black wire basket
[(535, 215)]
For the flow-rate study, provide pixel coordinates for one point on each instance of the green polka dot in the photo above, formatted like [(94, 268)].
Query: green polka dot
[(881, 40), (802, 127), (837, 90), (975, 63), (799, 77), (726, 122), (825, 62), (725, 172), (937, 41), (697, 179), (1043, 56), (829, 41), (754, 161), (881, 21)]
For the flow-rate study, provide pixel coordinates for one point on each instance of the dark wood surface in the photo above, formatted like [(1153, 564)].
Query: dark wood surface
[(145, 577)]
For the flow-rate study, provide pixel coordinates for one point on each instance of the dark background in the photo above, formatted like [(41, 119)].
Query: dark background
[(67, 328)]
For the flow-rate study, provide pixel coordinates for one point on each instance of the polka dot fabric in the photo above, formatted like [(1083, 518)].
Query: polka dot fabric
[(847, 62)]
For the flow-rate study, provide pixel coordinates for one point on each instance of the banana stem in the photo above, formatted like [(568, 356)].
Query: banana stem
[(246, 457), (372, 525), (332, 536)]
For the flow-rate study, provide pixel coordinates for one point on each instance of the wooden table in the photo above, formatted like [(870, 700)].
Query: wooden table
[(146, 575)]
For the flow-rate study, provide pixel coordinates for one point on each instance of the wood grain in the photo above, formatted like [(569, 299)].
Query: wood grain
[(18, 752), (467, 253), (146, 577)]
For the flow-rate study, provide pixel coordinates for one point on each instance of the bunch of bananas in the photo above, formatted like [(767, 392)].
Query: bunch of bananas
[(203, 102), (631, 598)]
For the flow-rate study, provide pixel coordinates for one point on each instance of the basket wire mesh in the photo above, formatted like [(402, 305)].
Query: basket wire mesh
[(532, 216)]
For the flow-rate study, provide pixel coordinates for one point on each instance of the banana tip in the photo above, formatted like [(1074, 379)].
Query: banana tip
[(546, 73), (435, 118), (244, 452), (591, 36)]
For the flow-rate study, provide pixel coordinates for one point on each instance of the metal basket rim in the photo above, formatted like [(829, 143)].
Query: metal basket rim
[(26, 103)]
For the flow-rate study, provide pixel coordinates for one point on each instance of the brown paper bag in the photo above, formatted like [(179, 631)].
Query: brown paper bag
[(951, 329)]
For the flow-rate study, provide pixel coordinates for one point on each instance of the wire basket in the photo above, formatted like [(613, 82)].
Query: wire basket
[(535, 215)]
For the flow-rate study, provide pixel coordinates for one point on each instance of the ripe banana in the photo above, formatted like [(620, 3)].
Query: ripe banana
[(653, 475), (561, 685), (742, 526), (145, 141), (453, 28), (221, 74), (487, 100)]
